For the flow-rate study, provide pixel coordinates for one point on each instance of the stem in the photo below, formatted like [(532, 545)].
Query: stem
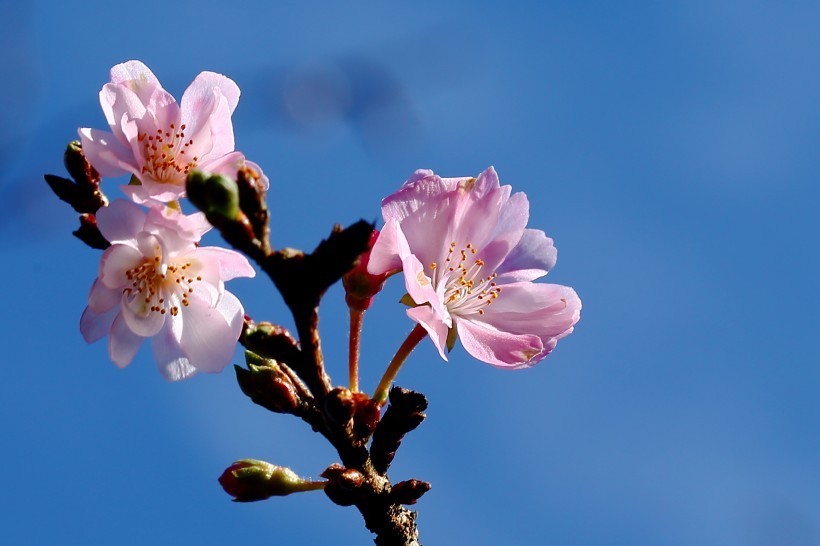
[(356, 318), (404, 351), (310, 486)]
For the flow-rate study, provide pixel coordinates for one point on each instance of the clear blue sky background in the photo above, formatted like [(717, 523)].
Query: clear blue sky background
[(670, 149)]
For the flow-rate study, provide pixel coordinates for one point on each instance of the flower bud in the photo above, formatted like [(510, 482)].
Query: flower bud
[(215, 195), (360, 286), (271, 341), (340, 405), (81, 170), (267, 384), (409, 491), (251, 480), (343, 484)]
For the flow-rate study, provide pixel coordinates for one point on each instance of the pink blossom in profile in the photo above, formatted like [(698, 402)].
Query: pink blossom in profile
[(159, 141), (155, 282), (469, 262)]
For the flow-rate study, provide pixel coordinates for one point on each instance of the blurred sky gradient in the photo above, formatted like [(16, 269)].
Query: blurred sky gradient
[(669, 148)]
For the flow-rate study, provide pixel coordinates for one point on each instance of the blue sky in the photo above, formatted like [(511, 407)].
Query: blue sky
[(668, 148)]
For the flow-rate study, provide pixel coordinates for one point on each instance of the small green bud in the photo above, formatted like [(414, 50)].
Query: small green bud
[(215, 195), (249, 480)]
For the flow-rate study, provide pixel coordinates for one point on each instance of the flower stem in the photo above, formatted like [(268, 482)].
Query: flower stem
[(418, 333), (310, 486), (356, 318)]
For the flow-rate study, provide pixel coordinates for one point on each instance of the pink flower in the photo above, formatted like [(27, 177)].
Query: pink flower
[(155, 282), (469, 263), (159, 141)]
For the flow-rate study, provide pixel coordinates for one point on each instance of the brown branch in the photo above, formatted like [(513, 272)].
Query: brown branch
[(82, 193), (346, 419)]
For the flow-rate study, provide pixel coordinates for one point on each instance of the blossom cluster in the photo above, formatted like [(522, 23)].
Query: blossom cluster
[(155, 281), (462, 244)]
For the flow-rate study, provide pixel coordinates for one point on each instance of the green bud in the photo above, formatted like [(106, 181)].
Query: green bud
[(215, 195), (249, 480)]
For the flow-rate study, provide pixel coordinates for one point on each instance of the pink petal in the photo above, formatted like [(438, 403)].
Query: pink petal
[(168, 354), (533, 257), (221, 127), (121, 221), (227, 164), (486, 182), (475, 219), (502, 349), (152, 193), (120, 105), (123, 344), (134, 71), (207, 106), (105, 152), (139, 317), (546, 310), (421, 289), (207, 340), (436, 328), (201, 91), (422, 186), (507, 233), (386, 254), (115, 262), (179, 233), (232, 311), (231, 264), (94, 326), (429, 228), (102, 299)]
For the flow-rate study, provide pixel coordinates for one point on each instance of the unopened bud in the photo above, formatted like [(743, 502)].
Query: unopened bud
[(266, 384), (360, 286), (409, 491), (343, 484), (251, 480), (89, 233), (271, 341), (215, 195), (340, 405), (78, 166), (367, 415)]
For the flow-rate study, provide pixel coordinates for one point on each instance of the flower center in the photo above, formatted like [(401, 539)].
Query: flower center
[(164, 155), (160, 288), (468, 289)]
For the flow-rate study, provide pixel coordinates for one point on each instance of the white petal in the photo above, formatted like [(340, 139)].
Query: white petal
[(231, 264), (102, 299), (207, 340), (94, 326), (171, 361), (106, 153), (232, 311), (121, 221), (115, 263), (139, 317), (134, 71), (123, 344)]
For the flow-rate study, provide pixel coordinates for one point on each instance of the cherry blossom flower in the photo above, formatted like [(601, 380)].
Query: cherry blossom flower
[(158, 141), (469, 262), (155, 282)]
